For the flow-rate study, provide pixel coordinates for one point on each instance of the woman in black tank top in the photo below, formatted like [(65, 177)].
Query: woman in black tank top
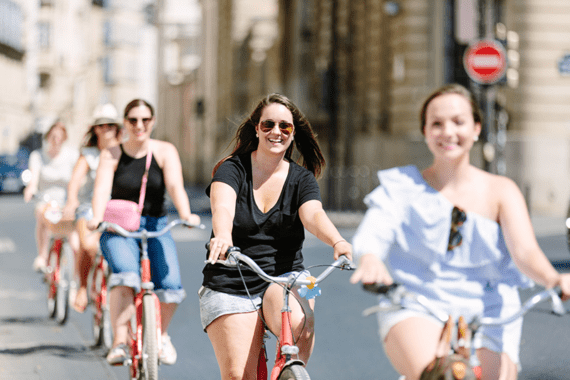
[(119, 176)]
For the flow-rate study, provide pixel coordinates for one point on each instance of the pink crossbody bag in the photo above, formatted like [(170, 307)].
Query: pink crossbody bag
[(127, 214)]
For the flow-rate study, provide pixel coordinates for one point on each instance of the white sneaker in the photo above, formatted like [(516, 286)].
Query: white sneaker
[(168, 353)]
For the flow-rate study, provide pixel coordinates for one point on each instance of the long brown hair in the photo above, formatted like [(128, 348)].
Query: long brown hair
[(452, 88), (305, 141), (90, 139)]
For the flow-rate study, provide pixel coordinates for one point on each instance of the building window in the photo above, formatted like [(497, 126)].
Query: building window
[(107, 68), (44, 31), (46, 3), (45, 79), (11, 26)]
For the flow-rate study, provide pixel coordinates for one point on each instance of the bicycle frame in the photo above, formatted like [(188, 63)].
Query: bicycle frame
[(140, 360), (98, 295), (286, 348)]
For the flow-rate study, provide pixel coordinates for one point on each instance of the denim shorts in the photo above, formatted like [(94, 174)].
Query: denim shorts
[(214, 304), (123, 256), (502, 302)]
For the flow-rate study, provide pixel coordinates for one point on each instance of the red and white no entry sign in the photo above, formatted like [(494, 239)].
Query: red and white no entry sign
[(485, 61)]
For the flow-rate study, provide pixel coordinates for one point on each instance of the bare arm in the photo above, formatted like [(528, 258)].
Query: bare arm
[(316, 221), (521, 240), (35, 167), (108, 161), (223, 203), (174, 182), (80, 170)]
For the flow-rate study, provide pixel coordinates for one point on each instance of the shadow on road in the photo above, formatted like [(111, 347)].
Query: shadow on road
[(25, 320), (59, 350)]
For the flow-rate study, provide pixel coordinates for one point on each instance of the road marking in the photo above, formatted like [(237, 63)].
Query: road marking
[(7, 245), (21, 295)]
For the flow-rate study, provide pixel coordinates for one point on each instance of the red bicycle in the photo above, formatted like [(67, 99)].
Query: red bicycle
[(287, 364), (145, 334), (99, 301), (58, 274)]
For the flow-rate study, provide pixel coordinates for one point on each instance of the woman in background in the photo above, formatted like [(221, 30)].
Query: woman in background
[(119, 176), (51, 168), (102, 134)]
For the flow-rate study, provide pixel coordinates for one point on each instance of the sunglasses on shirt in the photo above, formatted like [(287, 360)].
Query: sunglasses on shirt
[(284, 127), (458, 217)]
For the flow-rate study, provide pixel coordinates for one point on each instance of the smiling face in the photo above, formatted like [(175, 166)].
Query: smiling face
[(139, 123), (279, 137), (450, 128)]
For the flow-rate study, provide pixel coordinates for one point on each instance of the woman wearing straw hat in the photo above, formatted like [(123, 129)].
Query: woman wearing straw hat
[(103, 133)]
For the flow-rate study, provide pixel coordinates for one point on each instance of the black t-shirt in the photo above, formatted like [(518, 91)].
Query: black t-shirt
[(273, 239), (128, 179)]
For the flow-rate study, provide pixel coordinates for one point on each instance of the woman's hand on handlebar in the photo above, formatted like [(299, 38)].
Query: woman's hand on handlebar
[(371, 271), (564, 284), (192, 219), (343, 248), (218, 249), (93, 224)]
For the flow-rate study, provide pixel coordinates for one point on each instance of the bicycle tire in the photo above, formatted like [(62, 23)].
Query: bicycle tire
[(102, 332), (63, 285), (294, 372), (149, 362), (49, 279)]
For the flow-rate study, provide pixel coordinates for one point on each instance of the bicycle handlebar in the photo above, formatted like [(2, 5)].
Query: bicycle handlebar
[(397, 292), (112, 227), (234, 256)]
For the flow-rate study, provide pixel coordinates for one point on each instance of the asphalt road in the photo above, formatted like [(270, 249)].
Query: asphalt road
[(347, 345)]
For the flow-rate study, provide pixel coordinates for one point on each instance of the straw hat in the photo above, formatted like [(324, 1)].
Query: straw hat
[(105, 114)]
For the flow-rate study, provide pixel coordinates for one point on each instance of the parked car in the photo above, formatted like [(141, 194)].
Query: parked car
[(12, 171)]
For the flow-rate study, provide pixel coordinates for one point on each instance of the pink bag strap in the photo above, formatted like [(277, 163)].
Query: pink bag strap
[(145, 179)]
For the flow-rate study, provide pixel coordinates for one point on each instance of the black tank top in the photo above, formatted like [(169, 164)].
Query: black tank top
[(128, 179)]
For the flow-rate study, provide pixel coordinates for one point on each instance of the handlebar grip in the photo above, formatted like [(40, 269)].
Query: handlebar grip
[(377, 288)]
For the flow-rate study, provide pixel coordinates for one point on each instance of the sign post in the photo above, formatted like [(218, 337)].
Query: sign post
[(485, 62)]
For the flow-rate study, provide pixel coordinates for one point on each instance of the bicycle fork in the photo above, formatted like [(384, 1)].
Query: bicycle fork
[(286, 348)]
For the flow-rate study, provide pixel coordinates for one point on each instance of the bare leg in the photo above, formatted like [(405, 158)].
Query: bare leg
[(411, 344), (167, 311), (122, 309), (496, 366), (236, 339), (88, 246), (42, 234), (302, 318)]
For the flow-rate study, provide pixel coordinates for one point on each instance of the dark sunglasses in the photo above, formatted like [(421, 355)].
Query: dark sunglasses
[(106, 126), (133, 121), (458, 217), (284, 127)]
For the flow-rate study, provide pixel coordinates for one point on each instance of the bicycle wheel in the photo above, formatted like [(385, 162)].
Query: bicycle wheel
[(63, 285), (149, 362), (102, 332), (294, 372), (51, 286)]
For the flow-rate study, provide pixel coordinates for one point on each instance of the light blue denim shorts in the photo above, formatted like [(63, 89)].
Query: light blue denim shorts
[(214, 304)]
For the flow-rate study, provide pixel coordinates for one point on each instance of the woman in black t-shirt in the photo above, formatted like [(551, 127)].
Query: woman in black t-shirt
[(261, 202)]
